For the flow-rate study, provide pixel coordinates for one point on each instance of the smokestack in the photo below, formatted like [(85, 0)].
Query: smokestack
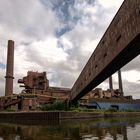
[(110, 83), (120, 81), (9, 70)]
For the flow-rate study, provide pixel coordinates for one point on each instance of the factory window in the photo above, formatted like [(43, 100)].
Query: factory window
[(138, 10), (115, 107), (89, 73), (95, 66), (34, 79), (117, 20), (85, 78), (30, 107), (118, 38), (92, 106), (103, 42), (105, 54)]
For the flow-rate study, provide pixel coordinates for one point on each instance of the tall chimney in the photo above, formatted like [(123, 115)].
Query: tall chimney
[(110, 83), (9, 70), (120, 81)]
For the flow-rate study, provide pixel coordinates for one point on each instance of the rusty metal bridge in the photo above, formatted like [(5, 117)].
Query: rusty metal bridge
[(118, 46)]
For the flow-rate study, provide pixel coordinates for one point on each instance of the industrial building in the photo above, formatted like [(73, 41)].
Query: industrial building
[(38, 92), (118, 46)]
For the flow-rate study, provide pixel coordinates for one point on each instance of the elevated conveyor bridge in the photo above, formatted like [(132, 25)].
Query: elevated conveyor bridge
[(118, 46)]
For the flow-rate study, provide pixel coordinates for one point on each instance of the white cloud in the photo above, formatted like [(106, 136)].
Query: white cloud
[(131, 76), (109, 3), (67, 44), (28, 24), (26, 20), (33, 25), (49, 50)]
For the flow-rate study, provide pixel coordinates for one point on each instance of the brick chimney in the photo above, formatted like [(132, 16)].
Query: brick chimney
[(9, 69)]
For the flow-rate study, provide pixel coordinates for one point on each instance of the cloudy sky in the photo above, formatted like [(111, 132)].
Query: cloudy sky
[(58, 36)]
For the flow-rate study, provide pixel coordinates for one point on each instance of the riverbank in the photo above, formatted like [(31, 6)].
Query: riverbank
[(60, 115)]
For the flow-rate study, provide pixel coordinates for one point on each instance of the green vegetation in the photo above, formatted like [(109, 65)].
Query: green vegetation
[(86, 110), (9, 110), (60, 105), (131, 110), (112, 110), (57, 105), (76, 105)]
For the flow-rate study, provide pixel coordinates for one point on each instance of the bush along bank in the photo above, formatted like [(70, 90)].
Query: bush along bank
[(58, 105)]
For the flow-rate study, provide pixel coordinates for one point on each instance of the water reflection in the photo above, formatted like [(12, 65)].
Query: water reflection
[(98, 129)]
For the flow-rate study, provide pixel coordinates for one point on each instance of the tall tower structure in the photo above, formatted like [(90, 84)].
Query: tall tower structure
[(110, 83), (120, 81), (9, 69)]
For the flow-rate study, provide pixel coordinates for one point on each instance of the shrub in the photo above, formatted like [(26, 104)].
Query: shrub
[(8, 110), (112, 110), (131, 110), (76, 104), (57, 105)]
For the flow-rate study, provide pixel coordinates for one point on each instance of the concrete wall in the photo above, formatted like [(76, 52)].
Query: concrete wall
[(121, 106)]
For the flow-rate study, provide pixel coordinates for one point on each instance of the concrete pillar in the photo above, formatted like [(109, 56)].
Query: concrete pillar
[(110, 83), (9, 70), (120, 81)]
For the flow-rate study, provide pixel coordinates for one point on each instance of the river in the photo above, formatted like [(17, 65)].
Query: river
[(96, 129)]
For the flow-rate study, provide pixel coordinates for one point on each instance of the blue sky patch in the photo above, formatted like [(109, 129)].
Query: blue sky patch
[(2, 66)]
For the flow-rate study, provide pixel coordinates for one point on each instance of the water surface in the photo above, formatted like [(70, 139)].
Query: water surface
[(96, 129)]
